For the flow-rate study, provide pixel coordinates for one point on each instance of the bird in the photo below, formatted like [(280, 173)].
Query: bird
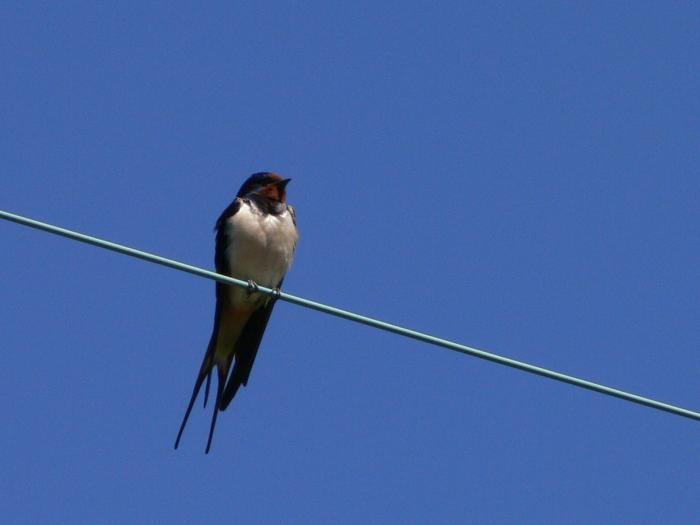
[(256, 237)]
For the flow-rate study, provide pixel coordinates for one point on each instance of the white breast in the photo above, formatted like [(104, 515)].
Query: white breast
[(261, 245)]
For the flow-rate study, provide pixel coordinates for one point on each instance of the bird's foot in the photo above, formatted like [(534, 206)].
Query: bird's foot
[(252, 287), (276, 292)]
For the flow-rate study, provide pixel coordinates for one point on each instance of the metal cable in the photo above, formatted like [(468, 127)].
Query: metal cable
[(306, 303)]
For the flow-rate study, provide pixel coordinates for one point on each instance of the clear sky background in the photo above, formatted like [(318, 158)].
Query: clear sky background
[(522, 177)]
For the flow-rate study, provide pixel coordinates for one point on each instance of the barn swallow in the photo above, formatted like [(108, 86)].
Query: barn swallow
[(256, 236)]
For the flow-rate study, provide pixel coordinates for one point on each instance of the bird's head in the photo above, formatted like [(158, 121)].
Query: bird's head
[(267, 185)]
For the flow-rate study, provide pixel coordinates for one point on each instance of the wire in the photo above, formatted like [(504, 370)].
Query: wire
[(344, 314)]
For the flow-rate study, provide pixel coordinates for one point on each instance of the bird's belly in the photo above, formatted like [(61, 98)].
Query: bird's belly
[(261, 248), (250, 260)]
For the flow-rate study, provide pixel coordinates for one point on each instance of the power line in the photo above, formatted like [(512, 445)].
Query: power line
[(306, 303)]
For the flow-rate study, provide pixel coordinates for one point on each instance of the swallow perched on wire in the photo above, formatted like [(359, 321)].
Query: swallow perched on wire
[(256, 236)]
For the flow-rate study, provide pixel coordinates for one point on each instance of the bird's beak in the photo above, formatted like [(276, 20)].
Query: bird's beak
[(283, 183)]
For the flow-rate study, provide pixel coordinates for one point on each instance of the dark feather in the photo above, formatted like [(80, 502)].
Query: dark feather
[(222, 239), (219, 392), (204, 372)]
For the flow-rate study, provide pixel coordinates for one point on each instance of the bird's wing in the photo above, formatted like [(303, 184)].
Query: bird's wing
[(222, 267), (205, 370), (222, 242)]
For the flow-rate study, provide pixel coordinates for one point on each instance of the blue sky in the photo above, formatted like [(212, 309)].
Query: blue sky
[(519, 177)]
